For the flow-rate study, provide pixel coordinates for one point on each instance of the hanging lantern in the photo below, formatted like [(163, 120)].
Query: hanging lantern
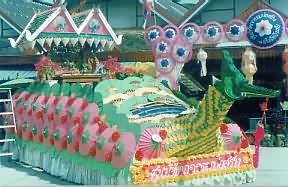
[(248, 64), (202, 57)]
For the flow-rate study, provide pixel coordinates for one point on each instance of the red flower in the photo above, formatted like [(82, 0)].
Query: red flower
[(244, 143), (30, 112), (115, 136), (223, 128), (251, 138), (71, 101), (163, 134), (50, 117), (63, 118), (108, 157), (56, 100), (20, 110), (35, 98), (84, 104), (92, 151), (45, 100), (80, 130), (39, 114), (16, 96), (139, 155), (102, 127), (77, 120), (26, 96)]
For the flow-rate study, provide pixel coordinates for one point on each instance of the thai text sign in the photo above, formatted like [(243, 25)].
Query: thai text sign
[(157, 171), (265, 28)]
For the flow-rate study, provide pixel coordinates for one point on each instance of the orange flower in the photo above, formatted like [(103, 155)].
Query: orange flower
[(115, 136), (139, 155)]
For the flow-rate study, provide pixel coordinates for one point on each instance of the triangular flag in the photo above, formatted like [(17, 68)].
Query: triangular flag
[(103, 43), (49, 41), (110, 44), (41, 41), (96, 42), (57, 41), (65, 41), (74, 41), (82, 41), (90, 41)]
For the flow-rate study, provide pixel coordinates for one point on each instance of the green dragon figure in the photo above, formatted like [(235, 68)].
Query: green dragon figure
[(148, 103)]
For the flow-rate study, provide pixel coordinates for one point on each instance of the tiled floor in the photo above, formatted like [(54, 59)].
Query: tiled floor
[(273, 170)]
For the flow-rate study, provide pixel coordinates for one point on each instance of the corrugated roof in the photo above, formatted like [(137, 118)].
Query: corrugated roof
[(10, 73), (19, 12)]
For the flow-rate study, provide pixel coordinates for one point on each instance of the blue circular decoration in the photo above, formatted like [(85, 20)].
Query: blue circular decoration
[(161, 47), (265, 28), (181, 53), (164, 65), (235, 30), (213, 32), (171, 32), (191, 32), (152, 34)]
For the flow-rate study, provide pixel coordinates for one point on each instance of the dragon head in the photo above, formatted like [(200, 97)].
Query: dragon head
[(234, 85)]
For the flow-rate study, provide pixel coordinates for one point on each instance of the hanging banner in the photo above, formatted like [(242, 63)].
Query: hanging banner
[(265, 28)]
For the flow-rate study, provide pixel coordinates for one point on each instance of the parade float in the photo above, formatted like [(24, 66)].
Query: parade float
[(128, 127)]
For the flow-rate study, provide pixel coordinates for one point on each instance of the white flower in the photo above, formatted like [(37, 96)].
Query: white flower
[(264, 27)]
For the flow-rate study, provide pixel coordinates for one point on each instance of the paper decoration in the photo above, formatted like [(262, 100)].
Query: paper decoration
[(265, 28), (171, 32), (235, 30), (202, 57), (248, 64), (153, 33), (213, 32), (191, 32)]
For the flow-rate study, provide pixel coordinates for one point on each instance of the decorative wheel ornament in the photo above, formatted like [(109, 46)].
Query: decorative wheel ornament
[(151, 143), (265, 28), (152, 34), (181, 52), (164, 65), (191, 32), (213, 32), (171, 32), (161, 47), (59, 23), (235, 30), (166, 81), (94, 25)]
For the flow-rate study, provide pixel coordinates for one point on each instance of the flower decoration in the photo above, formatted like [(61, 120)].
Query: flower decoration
[(162, 47), (233, 137), (46, 69), (164, 65), (191, 32), (212, 32), (152, 34), (171, 32), (235, 30), (94, 25), (181, 52), (264, 27)]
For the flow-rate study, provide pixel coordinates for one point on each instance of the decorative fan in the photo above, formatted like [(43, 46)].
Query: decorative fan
[(152, 34), (213, 32), (171, 32), (235, 30), (151, 143), (191, 32), (124, 150), (233, 136)]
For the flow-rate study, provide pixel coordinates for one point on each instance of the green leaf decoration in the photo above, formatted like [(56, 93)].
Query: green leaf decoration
[(86, 117), (45, 132), (119, 149), (46, 107), (98, 99), (59, 108), (56, 89), (35, 106), (100, 142), (57, 135), (71, 111), (85, 137), (34, 130), (69, 137), (65, 89), (46, 89), (25, 126)]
